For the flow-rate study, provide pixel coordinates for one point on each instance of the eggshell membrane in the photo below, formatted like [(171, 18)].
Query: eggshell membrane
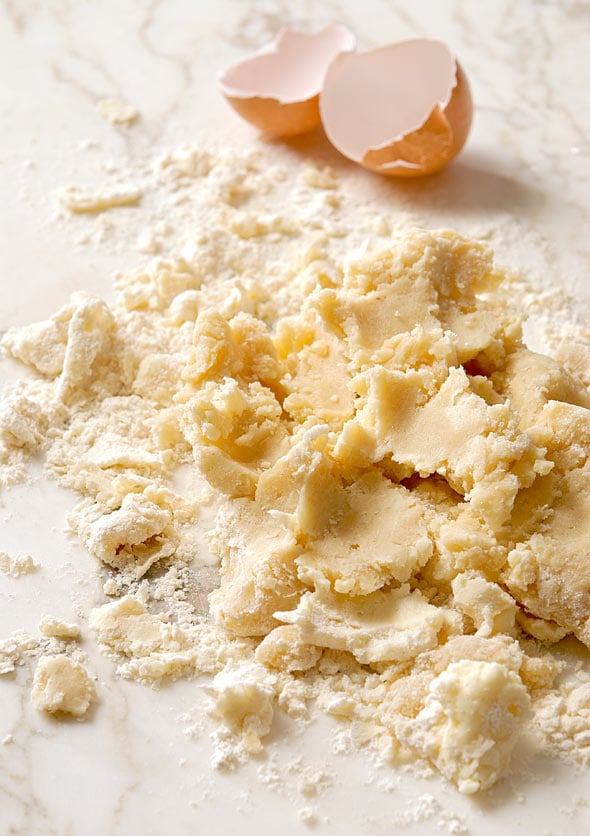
[(403, 110), (277, 88)]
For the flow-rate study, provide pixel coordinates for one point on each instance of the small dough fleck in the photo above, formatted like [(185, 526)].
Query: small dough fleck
[(117, 111)]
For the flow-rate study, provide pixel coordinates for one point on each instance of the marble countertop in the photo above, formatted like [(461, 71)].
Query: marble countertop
[(523, 180)]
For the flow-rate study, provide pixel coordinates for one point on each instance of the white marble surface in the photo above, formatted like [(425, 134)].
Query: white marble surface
[(525, 172)]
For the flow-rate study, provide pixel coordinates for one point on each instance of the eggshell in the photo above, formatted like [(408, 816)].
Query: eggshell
[(403, 110), (277, 88)]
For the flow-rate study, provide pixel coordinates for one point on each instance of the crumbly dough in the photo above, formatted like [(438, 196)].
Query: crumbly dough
[(56, 628), (62, 686), (133, 536), (470, 722), (394, 489), (285, 648), (244, 698), (22, 564)]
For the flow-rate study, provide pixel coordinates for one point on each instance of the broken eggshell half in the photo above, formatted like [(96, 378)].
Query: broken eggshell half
[(403, 110), (277, 88)]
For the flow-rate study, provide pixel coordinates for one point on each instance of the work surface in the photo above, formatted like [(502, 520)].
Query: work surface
[(522, 182)]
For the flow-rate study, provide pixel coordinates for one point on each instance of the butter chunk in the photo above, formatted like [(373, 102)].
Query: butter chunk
[(158, 378), (83, 199), (463, 542), (23, 424), (234, 429), (62, 686), (429, 352), (17, 566), (381, 296), (385, 626), (531, 380), (303, 491), (470, 723), (239, 348), (56, 627), (258, 540), (430, 279), (548, 570), (382, 535)]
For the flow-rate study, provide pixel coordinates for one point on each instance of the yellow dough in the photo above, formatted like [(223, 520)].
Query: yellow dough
[(395, 489)]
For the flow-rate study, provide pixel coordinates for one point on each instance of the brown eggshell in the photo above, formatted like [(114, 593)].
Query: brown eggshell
[(402, 110), (277, 88)]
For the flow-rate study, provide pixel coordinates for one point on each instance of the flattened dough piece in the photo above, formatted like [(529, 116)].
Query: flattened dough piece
[(381, 536), (258, 571), (530, 380), (258, 540), (477, 447), (549, 573), (317, 376), (548, 568), (429, 279), (385, 626)]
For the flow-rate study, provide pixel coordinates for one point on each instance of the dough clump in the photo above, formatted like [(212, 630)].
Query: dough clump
[(62, 686)]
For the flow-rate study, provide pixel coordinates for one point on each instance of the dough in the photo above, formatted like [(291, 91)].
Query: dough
[(396, 491), (62, 686)]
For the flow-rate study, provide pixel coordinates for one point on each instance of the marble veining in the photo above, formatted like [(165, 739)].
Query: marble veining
[(133, 769)]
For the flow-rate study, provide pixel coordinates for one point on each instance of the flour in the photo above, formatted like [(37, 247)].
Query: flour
[(426, 808), (325, 424)]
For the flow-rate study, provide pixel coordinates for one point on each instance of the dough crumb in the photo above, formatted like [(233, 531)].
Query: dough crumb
[(83, 199), (62, 686), (56, 628), (117, 111), (17, 566), (307, 816)]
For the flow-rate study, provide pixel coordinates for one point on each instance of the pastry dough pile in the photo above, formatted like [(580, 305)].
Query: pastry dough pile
[(400, 488)]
